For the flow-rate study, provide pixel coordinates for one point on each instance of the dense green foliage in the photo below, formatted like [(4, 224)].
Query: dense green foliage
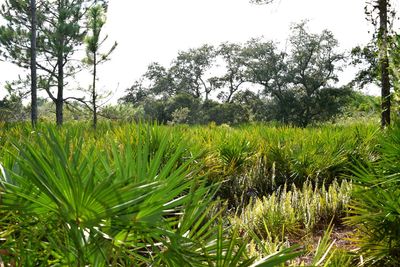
[(297, 84), (155, 195), (12, 109), (295, 212), (375, 209), (136, 200)]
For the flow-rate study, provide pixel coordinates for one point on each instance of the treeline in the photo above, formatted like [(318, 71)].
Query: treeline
[(257, 81), (232, 83)]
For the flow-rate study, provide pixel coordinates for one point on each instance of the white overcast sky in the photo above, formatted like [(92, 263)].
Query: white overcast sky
[(155, 30)]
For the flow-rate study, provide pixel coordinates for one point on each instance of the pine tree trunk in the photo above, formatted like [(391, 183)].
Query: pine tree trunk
[(384, 62), (60, 90), (34, 115), (94, 96)]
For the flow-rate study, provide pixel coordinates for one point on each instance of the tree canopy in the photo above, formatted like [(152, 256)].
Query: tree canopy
[(297, 85)]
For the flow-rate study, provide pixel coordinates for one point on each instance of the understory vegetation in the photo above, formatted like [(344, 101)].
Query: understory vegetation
[(145, 195)]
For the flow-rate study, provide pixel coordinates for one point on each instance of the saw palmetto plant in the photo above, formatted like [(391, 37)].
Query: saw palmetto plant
[(376, 204), (153, 195), (68, 201)]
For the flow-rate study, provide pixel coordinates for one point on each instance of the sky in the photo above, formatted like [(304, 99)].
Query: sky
[(155, 30)]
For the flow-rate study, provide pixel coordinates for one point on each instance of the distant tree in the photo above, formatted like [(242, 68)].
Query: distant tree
[(95, 23), (227, 113), (297, 86), (360, 104), (180, 102), (299, 82), (313, 67), (160, 79), (268, 67), (190, 73), (135, 94), (154, 110), (257, 107), (235, 74), (12, 109), (190, 69)]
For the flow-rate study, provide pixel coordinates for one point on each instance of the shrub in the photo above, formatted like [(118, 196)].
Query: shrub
[(293, 212), (123, 196), (376, 205)]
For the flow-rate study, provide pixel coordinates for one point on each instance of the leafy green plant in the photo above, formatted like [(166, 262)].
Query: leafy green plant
[(375, 208), (69, 198), (297, 211), (97, 203), (324, 246)]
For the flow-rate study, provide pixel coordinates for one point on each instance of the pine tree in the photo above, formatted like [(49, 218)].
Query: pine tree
[(93, 41), (60, 33), (34, 115)]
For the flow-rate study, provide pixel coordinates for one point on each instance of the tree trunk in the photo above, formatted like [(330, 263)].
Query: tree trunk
[(94, 96), (34, 115), (384, 62), (60, 90), (60, 67)]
